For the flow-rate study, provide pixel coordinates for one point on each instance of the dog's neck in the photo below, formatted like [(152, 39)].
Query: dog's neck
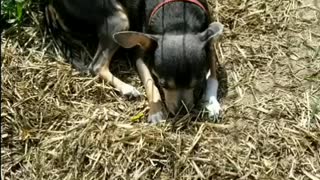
[(165, 2), (177, 17)]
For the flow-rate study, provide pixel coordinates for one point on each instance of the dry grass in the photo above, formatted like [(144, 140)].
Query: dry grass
[(58, 124)]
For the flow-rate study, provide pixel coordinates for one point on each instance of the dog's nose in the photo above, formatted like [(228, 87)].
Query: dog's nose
[(181, 105), (186, 105)]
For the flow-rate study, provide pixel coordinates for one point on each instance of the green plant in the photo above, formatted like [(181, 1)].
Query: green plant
[(12, 11)]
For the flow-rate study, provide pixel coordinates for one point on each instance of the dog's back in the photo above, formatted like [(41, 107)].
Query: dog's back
[(75, 25)]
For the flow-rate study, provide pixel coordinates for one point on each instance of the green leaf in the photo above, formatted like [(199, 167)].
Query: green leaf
[(19, 5), (137, 117)]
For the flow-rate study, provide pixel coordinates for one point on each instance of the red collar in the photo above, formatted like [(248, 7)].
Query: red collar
[(163, 3)]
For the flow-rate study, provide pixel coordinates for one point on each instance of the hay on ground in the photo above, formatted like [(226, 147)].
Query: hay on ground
[(59, 124)]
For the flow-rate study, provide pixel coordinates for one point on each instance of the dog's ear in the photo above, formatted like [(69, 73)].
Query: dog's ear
[(129, 39), (213, 32)]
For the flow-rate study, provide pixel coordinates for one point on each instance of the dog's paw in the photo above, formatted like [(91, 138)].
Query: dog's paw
[(156, 113), (130, 91), (93, 69), (156, 118), (212, 107)]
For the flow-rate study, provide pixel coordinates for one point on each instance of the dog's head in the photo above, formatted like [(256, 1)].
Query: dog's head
[(180, 62)]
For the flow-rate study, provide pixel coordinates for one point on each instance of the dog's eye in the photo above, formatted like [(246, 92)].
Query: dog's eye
[(162, 82)]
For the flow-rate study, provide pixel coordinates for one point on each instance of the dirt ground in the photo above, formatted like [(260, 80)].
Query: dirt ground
[(59, 124)]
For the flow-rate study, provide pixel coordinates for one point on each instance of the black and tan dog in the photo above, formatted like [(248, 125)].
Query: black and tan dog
[(173, 43)]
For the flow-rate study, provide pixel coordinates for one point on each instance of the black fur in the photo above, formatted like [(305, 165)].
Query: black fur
[(190, 59), (181, 49)]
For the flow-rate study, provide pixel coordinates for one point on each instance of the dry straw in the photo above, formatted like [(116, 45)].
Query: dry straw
[(59, 124)]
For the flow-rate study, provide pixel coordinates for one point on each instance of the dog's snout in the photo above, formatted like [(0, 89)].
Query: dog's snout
[(180, 105), (178, 99), (172, 107), (171, 100)]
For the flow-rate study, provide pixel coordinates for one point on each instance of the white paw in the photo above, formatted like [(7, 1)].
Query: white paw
[(156, 117), (130, 91), (213, 108)]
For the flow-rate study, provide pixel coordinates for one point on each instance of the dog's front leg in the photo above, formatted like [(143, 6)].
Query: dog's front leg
[(106, 49), (212, 105), (124, 88), (155, 114)]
